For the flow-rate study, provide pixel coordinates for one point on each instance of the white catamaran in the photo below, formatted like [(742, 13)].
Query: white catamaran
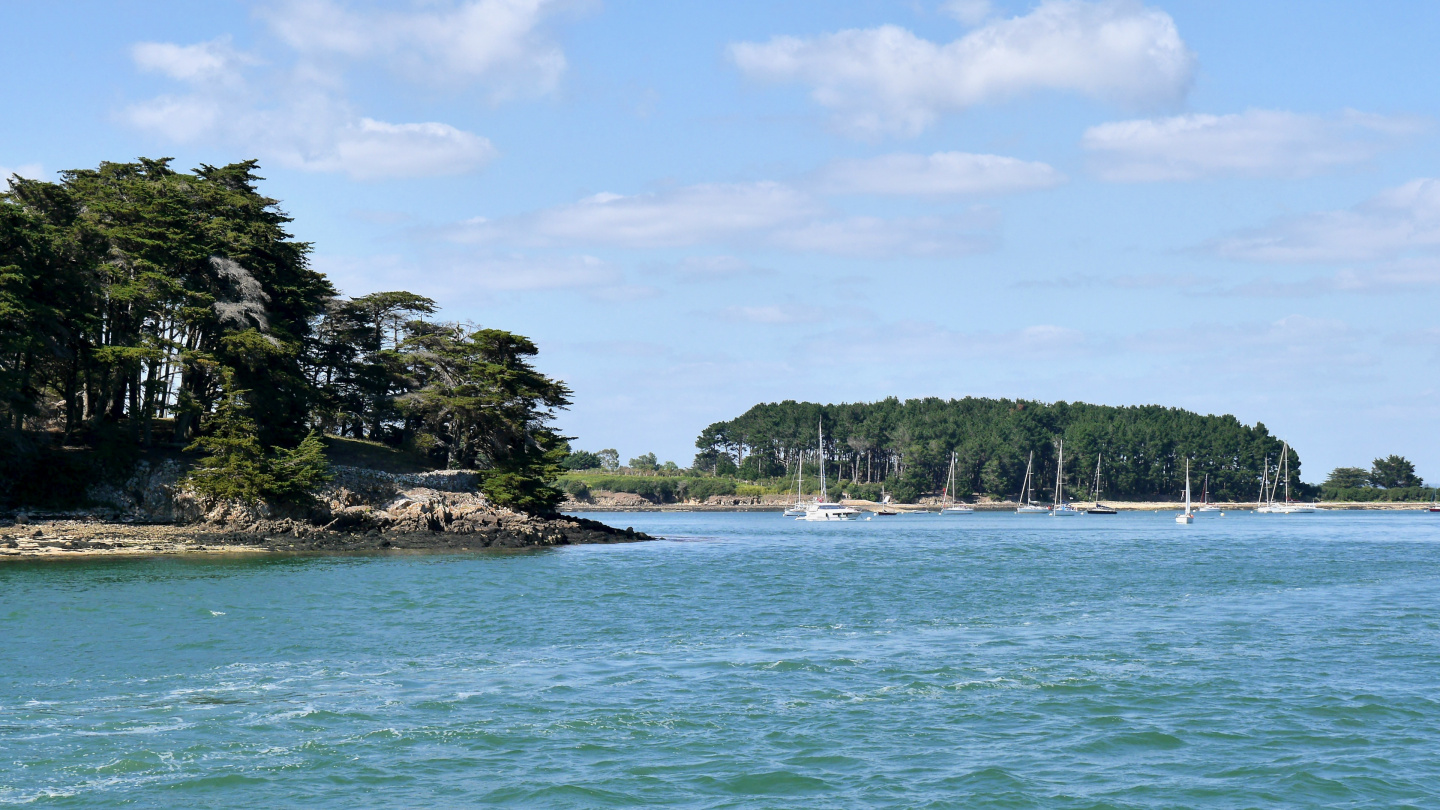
[(822, 508), (1027, 492), (948, 506), (1060, 507)]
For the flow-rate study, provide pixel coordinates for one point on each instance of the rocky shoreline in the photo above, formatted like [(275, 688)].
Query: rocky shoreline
[(361, 510)]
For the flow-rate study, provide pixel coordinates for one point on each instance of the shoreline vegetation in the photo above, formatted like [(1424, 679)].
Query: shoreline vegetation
[(168, 354)]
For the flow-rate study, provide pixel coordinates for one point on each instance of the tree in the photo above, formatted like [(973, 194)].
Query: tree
[(609, 459), (646, 462), (582, 460), (1347, 478), (238, 468), (1393, 472)]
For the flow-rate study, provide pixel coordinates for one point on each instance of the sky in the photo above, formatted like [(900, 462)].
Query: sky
[(693, 207)]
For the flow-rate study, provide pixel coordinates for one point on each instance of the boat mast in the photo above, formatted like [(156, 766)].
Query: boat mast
[(1285, 451), (1059, 471), (1097, 479), (1187, 486), (821, 452)]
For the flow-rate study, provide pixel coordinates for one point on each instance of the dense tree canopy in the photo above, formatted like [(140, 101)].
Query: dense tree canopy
[(135, 297), (1394, 472), (908, 445)]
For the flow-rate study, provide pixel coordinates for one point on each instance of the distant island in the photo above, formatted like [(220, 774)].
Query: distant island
[(905, 449)]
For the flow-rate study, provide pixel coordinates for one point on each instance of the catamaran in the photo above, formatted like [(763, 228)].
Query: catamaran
[(1289, 507), (1207, 508), (822, 508), (799, 508), (1188, 516), (1027, 492), (948, 506), (1060, 507), (1098, 508)]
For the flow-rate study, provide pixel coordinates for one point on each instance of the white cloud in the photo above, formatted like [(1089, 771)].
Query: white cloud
[(307, 128), (213, 61), (296, 114), (1256, 143), (690, 215), (942, 173), (702, 269), (763, 214), (499, 42), (1394, 223), (887, 80), (968, 12)]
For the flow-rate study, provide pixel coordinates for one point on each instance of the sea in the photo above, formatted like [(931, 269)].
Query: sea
[(747, 661)]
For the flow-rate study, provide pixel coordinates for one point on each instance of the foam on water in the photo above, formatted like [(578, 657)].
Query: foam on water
[(987, 660)]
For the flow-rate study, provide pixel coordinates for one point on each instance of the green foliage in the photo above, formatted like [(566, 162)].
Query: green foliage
[(1394, 472), (609, 459), (582, 460), (644, 462), (1377, 494), (1347, 478), (907, 446), (660, 489), (236, 467)]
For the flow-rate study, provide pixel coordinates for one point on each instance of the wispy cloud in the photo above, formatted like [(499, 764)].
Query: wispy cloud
[(887, 80), (765, 214), (939, 174), (1397, 222), (1255, 143)]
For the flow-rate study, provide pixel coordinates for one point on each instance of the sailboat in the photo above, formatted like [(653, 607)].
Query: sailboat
[(1288, 507), (1098, 508), (948, 506), (822, 508), (799, 508), (1435, 501), (1207, 508), (1027, 493), (1060, 507), (1188, 516), (885, 510)]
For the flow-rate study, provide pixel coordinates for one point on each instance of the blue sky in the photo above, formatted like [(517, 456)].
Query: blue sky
[(693, 207)]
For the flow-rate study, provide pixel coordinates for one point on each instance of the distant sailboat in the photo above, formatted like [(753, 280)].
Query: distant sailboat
[(1060, 507), (1098, 508), (1207, 508), (948, 506), (1188, 516), (798, 509), (1027, 492), (1435, 501), (1288, 507)]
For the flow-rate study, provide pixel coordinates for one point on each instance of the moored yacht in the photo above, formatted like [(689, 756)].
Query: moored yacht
[(1188, 516), (799, 508), (1060, 507), (1287, 507), (948, 505), (1207, 508), (1027, 492), (1098, 508)]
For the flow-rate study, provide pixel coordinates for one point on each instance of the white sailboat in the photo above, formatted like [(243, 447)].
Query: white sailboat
[(1027, 492), (948, 506), (1188, 516), (1099, 508), (1060, 507), (1288, 507), (799, 508), (823, 508)]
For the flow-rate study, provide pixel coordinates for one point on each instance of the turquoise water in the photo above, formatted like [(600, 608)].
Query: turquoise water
[(985, 661)]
